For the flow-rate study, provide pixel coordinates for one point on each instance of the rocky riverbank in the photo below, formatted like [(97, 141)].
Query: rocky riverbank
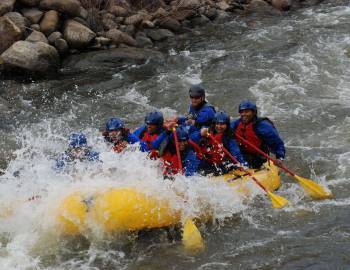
[(35, 35)]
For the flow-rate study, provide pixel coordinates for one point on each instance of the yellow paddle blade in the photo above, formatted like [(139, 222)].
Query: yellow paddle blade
[(6, 211), (313, 189), (277, 201), (191, 237)]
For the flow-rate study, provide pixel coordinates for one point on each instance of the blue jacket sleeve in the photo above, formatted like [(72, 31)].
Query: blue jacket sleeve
[(133, 139), (271, 138), (160, 139), (234, 150), (181, 120), (234, 124), (196, 136), (94, 156), (205, 115), (139, 131), (191, 164), (60, 163)]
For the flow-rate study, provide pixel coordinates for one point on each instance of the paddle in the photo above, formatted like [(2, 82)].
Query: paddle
[(313, 189), (191, 236), (277, 201), (7, 210)]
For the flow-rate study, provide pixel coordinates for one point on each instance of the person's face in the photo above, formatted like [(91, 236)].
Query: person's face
[(183, 145), (220, 127), (152, 128), (115, 135), (247, 116), (77, 153), (197, 101)]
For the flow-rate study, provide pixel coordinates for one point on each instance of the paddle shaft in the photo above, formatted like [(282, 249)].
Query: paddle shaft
[(177, 150), (236, 161), (282, 166)]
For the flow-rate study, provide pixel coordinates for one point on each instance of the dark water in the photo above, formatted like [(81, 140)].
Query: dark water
[(294, 66)]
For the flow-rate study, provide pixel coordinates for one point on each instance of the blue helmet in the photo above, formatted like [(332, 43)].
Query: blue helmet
[(221, 117), (77, 140), (196, 90), (114, 124), (247, 105), (182, 134), (154, 118)]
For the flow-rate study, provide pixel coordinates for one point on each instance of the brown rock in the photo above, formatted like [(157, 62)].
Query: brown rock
[(108, 21), (36, 36), (6, 6), (283, 5), (119, 37), (170, 23), (32, 14), (55, 35), (77, 35), (50, 22), (188, 4), (147, 24), (70, 7), (223, 5), (260, 6), (18, 19), (103, 41), (31, 56), (160, 12), (9, 33), (61, 46), (134, 19), (158, 34), (31, 3), (119, 11)]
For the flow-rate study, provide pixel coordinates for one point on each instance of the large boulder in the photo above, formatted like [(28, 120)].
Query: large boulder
[(37, 36), (31, 3), (119, 37), (32, 57), (188, 4), (9, 33), (158, 34), (6, 6), (32, 14), (77, 35), (70, 7), (50, 22), (20, 21)]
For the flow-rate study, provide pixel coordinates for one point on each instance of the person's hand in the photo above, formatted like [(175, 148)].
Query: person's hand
[(279, 162), (204, 132), (153, 154), (190, 122), (169, 125)]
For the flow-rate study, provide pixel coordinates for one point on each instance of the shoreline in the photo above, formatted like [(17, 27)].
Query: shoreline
[(37, 36)]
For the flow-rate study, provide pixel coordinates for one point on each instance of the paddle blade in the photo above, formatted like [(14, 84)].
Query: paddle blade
[(313, 189), (6, 211), (191, 237), (277, 201)]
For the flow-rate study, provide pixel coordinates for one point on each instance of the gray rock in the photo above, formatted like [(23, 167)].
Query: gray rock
[(35, 27), (199, 21), (9, 33), (261, 7), (6, 6), (77, 35), (130, 30), (222, 5), (147, 24), (283, 5), (70, 7), (53, 36), (170, 24), (119, 37), (18, 19), (108, 21), (50, 22), (143, 41), (211, 13), (159, 34), (82, 21), (222, 16), (119, 11), (61, 46), (134, 19), (36, 36), (31, 56), (30, 3), (32, 14), (83, 13)]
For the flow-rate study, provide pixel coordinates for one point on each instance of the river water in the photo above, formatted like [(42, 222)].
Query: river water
[(294, 66)]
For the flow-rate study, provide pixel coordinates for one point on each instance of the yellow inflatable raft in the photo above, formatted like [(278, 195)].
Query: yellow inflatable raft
[(126, 209)]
